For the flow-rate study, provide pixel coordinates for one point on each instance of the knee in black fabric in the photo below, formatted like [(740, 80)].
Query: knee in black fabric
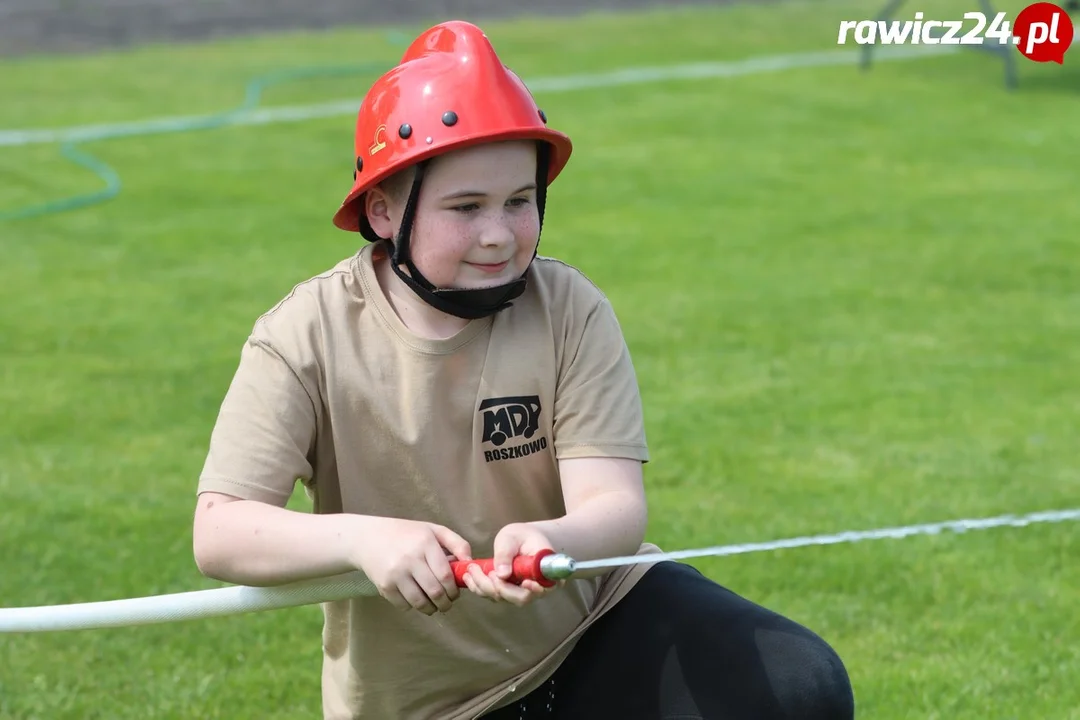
[(732, 658), (807, 677), (682, 647)]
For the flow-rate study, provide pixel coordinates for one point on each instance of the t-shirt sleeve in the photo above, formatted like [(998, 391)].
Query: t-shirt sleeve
[(261, 442), (598, 409)]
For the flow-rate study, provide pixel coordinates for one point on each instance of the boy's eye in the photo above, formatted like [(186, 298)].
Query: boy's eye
[(472, 207)]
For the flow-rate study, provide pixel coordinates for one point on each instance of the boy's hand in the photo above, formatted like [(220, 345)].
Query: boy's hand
[(513, 540), (407, 561)]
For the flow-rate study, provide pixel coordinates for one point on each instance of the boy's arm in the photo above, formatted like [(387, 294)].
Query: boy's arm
[(249, 542), (606, 513), (242, 531), (254, 543), (599, 440), (261, 444)]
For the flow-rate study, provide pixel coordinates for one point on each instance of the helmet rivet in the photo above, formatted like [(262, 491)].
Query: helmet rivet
[(405, 131), (449, 118), (359, 164), (428, 140), (543, 117)]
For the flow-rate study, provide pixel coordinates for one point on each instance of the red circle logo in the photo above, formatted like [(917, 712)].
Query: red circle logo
[(1043, 32)]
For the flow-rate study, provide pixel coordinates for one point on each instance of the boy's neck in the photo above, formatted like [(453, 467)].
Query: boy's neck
[(417, 315)]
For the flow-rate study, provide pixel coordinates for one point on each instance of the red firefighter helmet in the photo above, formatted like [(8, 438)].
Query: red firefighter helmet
[(450, 91)]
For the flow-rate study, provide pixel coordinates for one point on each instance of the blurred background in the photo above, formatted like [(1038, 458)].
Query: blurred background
[(65, 25), (849, 283)]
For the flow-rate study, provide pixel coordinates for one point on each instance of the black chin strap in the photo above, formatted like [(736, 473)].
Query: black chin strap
[(463, 303)]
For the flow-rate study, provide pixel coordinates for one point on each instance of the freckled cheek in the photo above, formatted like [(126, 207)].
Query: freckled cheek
[(527, 233), (439, 248)]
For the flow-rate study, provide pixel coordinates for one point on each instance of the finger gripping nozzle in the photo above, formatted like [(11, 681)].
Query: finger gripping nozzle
[(545, 567)]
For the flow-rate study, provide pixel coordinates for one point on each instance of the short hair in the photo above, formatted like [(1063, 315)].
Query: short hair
[(398, 185)]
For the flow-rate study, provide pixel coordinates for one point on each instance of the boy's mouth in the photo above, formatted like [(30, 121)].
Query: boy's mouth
[(490, 268)]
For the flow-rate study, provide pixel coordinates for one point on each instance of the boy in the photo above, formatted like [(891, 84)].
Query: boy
[(446, 394)]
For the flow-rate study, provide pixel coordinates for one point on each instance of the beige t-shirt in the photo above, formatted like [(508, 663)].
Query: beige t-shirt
[(333, 390)]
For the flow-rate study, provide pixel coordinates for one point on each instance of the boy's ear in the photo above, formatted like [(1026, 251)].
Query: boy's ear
[(377, 209)]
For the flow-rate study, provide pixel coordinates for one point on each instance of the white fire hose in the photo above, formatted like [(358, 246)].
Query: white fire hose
[(233, 600), (544, 567)]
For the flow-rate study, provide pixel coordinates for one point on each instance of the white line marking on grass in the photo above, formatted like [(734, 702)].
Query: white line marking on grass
[(565, 83), (237, 599)]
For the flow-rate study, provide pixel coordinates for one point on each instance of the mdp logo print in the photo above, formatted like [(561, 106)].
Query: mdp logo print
[(510, 417), (507, 418)]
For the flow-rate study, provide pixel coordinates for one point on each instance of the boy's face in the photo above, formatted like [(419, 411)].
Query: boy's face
[(476, 224)]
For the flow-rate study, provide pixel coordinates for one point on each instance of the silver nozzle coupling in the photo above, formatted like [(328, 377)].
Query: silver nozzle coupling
[(557, 566)]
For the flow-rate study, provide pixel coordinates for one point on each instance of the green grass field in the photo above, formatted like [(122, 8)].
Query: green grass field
[(853, 300)]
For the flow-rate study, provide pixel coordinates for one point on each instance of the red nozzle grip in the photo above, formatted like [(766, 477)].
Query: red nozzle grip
[(526, 567)]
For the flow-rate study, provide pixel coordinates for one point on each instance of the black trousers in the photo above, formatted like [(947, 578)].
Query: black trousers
[(681, 647)]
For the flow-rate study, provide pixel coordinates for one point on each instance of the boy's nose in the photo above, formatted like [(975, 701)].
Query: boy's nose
[(497, 233)]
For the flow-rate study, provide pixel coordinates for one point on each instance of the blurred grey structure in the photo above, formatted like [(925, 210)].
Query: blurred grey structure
[(1007, 53), (58, 26)]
